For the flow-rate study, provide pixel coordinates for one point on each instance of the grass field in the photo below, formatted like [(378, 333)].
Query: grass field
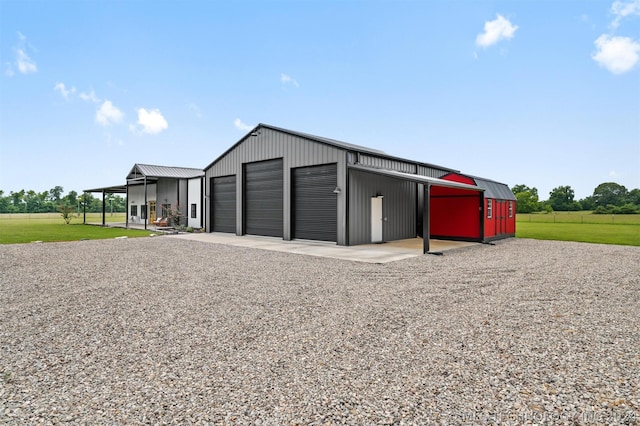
[(580, 226), (580, 217), (572, 226), (48, 227)]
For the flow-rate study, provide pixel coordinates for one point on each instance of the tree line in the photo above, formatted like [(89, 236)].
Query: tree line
[(52, 201), (607, 198)]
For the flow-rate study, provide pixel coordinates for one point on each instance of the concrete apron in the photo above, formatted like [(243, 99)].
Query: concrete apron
[(370, 253)]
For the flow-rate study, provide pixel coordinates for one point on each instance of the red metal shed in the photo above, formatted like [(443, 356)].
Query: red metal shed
[(466, 215)]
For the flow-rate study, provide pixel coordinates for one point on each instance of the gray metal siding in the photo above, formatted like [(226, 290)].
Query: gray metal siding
[(315, 206), (387, 163), (432, 171), (399, 207), (223, 200), (263, 198), (295, 152)]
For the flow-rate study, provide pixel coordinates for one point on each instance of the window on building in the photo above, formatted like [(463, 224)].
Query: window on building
[(166, 210), (143, 212), (510, 208), (194, 211), (134, 210), (489, 209)]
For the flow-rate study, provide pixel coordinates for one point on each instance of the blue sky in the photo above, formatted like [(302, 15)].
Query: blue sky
[(541, 93)]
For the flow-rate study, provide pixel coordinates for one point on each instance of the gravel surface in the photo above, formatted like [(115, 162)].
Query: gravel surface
[(164, 330)]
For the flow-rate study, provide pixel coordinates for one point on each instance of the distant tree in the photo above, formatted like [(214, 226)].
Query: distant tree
[(17, 200), (587, 203), (527, 199), (71, 199), (55, 194), (562, 199), (634, 196), (609, 193), (5, 203), (524, 188)]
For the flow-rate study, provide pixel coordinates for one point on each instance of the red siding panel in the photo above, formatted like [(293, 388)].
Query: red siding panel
[(455, 213)]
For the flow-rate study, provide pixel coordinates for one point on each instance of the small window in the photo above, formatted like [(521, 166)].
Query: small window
[(510, 208), (143, 212), (166, 210), (489, 209), (134, 210), (194, 211)]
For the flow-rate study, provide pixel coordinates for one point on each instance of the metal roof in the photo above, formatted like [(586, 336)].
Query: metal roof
[(493, 189), (115, 189), (415, 178), (151, 171), (327, 141)]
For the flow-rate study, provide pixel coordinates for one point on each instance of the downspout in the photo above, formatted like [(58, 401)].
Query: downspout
[(202, 189), (346, 200)]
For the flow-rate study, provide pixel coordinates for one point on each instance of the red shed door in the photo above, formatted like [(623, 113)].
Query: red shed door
[(501, 217)]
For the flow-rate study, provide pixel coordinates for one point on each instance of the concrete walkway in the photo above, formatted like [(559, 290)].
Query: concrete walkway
[(370, 253)]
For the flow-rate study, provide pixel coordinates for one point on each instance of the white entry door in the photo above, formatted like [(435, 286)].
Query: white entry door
[(376, 219)]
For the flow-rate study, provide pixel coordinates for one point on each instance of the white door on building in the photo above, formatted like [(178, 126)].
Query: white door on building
[(376, 219)]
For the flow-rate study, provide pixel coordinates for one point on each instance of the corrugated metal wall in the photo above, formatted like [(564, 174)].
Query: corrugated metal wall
[(387, 163), (295, 152), (399, 207)]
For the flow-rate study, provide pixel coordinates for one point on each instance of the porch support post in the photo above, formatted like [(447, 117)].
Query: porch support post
[(481, 214), (126, 206), (103, 208), (426, 213), (84, 208), (145, 203)]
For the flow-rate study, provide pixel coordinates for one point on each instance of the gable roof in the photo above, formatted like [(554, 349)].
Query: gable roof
[(493, 189), (151, 171), (327, 141)]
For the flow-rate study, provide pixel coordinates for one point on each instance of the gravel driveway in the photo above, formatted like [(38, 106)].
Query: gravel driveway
[(163, 330)]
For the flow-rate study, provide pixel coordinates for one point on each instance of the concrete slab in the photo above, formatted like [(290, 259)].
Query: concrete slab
[(369, 253)]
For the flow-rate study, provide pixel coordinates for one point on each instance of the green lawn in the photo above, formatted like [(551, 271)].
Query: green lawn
[(583, 232), (580, 217), (51, 227)]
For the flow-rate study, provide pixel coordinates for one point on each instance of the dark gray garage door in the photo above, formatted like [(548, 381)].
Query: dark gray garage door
[(263, 198), (314, 203), (224, 204)]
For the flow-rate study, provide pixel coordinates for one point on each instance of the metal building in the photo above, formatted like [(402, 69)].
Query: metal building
[(282, 183), (151, 191)]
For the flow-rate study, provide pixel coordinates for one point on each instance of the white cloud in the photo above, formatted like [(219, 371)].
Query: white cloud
[(89, 97), (108, 114), (60, 87), (152, 121), (495, 31), (621, 10), (240, 125), (616, 54), (287, 79), (614, 174), (23, 62)]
